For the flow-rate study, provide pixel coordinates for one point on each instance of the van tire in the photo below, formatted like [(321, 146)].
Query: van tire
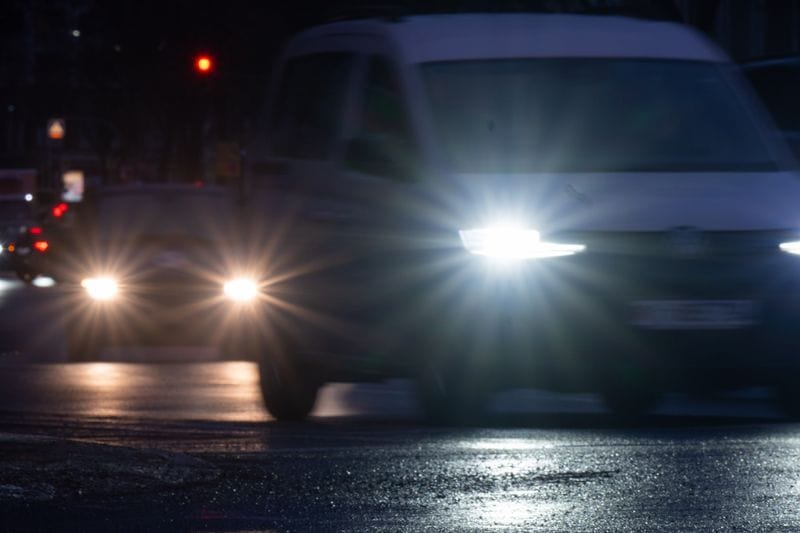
[(631, 403), (288, 393), (448, 399)]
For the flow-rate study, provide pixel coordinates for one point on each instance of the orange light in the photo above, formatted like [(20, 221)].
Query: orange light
[(41, 246), (203, 64), (56, 129), (11, 248), (36, 230)]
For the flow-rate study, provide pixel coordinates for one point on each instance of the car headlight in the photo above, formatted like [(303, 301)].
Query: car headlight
[(100, 288), (240, 289), (505, 242)]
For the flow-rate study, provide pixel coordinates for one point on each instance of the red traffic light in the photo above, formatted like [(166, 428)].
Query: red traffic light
[(203, 64)]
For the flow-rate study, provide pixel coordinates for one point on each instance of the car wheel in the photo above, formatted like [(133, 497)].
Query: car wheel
[(289, 394), (449, 397), (82, 347), (238, 350), (26, 275)]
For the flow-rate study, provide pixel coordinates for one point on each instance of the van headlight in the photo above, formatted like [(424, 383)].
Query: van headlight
[(509, 242), (792, 247), (240, 289), (103, 289)]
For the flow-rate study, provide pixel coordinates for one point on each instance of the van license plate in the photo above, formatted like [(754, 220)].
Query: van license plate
[(695, 314)]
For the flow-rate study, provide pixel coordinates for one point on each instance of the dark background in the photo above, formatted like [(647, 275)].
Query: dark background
[(120, 73)]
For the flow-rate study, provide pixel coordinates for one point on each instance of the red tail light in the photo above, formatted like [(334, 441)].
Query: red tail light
[(36, 230), (41, 246), (60, 209)]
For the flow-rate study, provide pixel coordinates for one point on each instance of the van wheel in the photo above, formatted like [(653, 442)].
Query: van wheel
[(449, 397), (289, 393), (631, 403)]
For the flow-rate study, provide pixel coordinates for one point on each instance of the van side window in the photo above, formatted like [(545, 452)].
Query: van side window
[(307, 113), (383, 143)]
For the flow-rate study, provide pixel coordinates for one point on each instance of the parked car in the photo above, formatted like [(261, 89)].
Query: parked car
[(579, 203), (151, 264), (20, 236), (30, 253)]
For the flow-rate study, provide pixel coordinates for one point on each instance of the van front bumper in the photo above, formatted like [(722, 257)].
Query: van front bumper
[(575, 323)]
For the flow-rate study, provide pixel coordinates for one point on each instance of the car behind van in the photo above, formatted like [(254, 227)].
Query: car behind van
[(579, 203), (153, 264)]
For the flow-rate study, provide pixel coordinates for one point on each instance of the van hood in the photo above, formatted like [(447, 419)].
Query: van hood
[(631, 201)]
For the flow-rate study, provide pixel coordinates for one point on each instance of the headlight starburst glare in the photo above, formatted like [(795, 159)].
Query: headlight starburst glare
[(509, 242), (102, 289), (241, 290)]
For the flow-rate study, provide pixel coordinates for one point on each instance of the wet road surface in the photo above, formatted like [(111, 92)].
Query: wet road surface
[(135, 445)]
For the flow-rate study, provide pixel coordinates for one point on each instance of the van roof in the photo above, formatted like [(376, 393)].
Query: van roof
[(476, 36)]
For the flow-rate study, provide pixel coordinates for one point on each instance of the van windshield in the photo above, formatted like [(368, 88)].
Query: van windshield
[(592, 115)]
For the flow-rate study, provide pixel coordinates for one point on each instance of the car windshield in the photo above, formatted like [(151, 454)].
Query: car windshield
[(122, 215), (591, 115)]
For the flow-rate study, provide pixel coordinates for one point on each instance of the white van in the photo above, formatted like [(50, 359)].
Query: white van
[(580, 203)]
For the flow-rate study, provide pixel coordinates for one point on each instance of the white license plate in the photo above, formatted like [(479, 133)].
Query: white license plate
[(695, 314)]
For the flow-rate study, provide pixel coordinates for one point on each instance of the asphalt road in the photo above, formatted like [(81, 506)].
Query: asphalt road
[(169, 439)]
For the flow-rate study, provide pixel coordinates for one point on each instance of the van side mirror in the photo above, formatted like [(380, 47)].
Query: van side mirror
[(381, 157)]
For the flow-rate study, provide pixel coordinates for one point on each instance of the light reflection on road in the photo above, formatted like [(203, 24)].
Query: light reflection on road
[(221, 391), (229, 391), (226, 391), (103, 377), (507, 445), (218, 391), (519, 512)]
